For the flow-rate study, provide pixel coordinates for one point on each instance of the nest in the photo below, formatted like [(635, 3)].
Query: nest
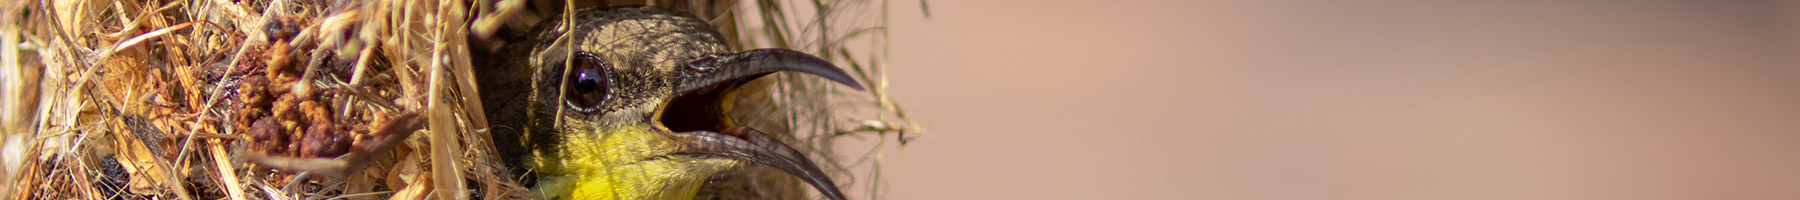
[(290, 99)]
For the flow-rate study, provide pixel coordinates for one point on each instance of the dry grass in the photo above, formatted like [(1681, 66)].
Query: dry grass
[(283, 99)]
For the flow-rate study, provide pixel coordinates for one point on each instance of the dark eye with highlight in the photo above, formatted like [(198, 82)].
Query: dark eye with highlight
[(587, 83)]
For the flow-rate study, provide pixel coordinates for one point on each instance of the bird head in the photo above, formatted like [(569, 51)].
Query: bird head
[(629, 103)]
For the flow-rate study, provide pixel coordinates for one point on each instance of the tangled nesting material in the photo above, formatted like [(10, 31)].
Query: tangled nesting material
[(194, 99)]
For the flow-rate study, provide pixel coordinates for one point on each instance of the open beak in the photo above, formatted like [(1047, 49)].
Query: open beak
[(697, 114)]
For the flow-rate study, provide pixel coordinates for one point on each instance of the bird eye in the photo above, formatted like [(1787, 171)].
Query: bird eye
[(587, 83)]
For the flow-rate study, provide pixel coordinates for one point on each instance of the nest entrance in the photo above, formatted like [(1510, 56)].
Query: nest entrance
[(262, 99)]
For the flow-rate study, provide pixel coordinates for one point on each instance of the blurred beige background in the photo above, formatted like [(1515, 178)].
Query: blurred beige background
[(1348, 100)]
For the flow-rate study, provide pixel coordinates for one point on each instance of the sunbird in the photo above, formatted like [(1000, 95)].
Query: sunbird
[(629, 103)]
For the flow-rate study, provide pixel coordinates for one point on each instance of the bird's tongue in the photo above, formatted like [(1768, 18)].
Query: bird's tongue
[(747, 144)]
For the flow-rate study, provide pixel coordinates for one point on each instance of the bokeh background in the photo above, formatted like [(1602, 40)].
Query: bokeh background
[(1284, 99)]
